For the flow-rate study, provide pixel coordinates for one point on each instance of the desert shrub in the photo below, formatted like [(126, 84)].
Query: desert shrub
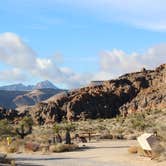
[(24, 127), (29, 146), (133, 149), (100, 128), (131, 136), (118, 136), (161, 132), (27, 120), (118, 130), (106, 136), (139, 121), (6, 128), (12, 148), (63, 147), (120, 119), (56, 129), (68, 127)]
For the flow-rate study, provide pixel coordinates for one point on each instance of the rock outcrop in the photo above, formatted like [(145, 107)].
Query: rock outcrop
[(129, 93), (152, 97), (11, 115), (134, 92)]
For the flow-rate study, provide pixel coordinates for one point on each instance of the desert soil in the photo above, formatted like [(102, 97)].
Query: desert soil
[(102, 153)]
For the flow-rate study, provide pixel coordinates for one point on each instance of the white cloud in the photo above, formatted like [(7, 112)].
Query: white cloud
[(14, 52), (13, 75), (118, 62), (24, 62), (43, 63)]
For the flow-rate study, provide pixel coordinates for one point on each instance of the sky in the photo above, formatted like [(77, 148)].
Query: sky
[(72, 42)]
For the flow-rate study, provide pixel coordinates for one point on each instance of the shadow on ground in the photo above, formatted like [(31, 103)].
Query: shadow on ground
[(108, 147)]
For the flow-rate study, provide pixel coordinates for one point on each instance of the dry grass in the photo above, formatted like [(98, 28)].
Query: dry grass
[(31, 147), (63, 148), (14, 147), (116, 128)]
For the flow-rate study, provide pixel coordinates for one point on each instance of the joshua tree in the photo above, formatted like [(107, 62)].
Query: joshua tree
[(69, 127), (25, 127), (65, 126), (57, 129), (68, 137)]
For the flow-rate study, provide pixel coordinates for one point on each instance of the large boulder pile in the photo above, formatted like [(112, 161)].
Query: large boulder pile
[(8, 114), (129, 93), (152, 97)]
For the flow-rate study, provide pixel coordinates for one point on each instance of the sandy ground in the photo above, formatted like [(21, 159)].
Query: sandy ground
[(103, 153)]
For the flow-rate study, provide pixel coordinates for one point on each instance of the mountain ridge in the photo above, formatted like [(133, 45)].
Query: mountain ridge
[(21, 87), (140, 91), (132, 92)]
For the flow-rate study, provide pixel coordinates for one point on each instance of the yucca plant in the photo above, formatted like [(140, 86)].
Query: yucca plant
[(24, 127)]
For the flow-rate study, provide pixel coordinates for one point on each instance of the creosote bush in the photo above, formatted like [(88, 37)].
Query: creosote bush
[(63, 147)]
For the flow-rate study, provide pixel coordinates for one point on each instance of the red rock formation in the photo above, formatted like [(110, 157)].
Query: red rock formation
[(129, 93)]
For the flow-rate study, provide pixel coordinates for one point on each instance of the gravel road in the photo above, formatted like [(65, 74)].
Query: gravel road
[(56, 160), (102, 153)]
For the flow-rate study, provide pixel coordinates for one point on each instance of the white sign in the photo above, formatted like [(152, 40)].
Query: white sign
[(147, 140)]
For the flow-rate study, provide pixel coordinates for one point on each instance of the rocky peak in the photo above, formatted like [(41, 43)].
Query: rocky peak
[(45, 85)]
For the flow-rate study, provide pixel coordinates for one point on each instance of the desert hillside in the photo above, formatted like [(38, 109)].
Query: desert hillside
[(134, 92)]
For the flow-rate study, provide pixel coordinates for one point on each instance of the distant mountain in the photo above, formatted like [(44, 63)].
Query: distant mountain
[(34, 97), (6, 98), (14, 99), (19, 95), (133, 92), (21, 87), (17, 87), (45, 85)]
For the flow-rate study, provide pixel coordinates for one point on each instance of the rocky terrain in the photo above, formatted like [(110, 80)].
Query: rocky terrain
[(129, 93), (139, 91)]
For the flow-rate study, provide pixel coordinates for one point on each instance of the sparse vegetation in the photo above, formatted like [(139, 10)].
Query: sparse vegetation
[(116, 128), (68, 127), (63, 147), (6, 129), (25, 127)]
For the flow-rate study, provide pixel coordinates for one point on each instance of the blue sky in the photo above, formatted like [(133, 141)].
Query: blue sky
[(73, 42)]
